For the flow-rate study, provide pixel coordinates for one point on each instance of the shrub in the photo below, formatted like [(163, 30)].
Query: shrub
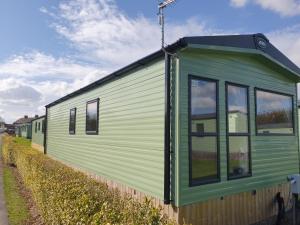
[(68, 197)]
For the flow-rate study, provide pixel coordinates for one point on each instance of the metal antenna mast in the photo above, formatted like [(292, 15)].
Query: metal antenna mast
[(161, 7)]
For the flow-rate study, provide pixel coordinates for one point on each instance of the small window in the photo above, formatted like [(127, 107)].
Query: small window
[(43, 126), (39, 126), (72, 121), (35, 129), (92, 116), (238, 134), (274, 113), (203, 131)]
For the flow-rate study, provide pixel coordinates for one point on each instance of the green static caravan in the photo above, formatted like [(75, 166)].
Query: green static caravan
[(23, 127), (23, 130), (38, 130), (209, 130)]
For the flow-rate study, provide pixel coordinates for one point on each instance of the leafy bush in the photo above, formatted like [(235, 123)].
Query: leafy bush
[(68, 197)]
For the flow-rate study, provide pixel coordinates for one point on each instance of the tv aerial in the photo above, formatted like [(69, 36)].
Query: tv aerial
[(161, 16)]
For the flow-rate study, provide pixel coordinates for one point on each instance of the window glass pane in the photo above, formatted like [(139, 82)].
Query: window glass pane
[(237, 109), (238, 156), (203, 106), (92, 116), (204, 158), (274, 113), (43, 126), (72, 121)]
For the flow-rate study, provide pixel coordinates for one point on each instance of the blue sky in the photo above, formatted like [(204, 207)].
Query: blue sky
[(50, 48)]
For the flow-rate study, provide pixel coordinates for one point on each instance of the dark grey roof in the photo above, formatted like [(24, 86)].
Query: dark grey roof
[(250, 41), (23, 120)]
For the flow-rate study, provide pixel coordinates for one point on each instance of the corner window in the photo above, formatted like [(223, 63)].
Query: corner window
[(238, 135), (92, 116), (274, 113), (72, 121), (203, 131)]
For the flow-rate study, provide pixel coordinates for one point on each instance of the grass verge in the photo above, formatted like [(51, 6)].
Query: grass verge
[(15, 203)]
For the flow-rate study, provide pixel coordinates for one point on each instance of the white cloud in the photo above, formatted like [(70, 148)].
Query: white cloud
[(38, 64), (20, 95), (30, 81), (283, 8), (288, 41), (104, 34)]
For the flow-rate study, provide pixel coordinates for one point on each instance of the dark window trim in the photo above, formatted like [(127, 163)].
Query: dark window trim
[(97, 122), (39, 126), (293, 113), (203, 134), (72, 131), (241, 134), (35, 129), (197, 182)]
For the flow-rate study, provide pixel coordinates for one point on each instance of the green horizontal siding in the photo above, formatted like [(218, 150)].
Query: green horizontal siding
[(273, 157), (38, 135), (130, 145)]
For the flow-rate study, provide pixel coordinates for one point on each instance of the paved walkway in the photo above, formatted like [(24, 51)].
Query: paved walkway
[(3, 211)]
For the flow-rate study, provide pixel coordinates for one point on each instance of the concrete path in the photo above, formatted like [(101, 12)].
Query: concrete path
[(3, 211)]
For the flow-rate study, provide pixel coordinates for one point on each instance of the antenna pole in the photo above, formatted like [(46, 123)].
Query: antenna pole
[(162, 25), (161, 7)]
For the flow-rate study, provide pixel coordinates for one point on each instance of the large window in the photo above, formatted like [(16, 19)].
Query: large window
[(72, 121), (203, 131), (92, 114), (238, 143), (274, 113)]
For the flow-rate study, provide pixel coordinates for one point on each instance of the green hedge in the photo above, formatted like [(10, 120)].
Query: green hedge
[(68, 197)]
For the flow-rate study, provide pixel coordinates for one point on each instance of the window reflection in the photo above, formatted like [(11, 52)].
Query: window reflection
[(237, 109), (204, 158), (238, 131), (238, 156), (273, 113), (203, 139), (92, 117), (72, 121), (203, 106)]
